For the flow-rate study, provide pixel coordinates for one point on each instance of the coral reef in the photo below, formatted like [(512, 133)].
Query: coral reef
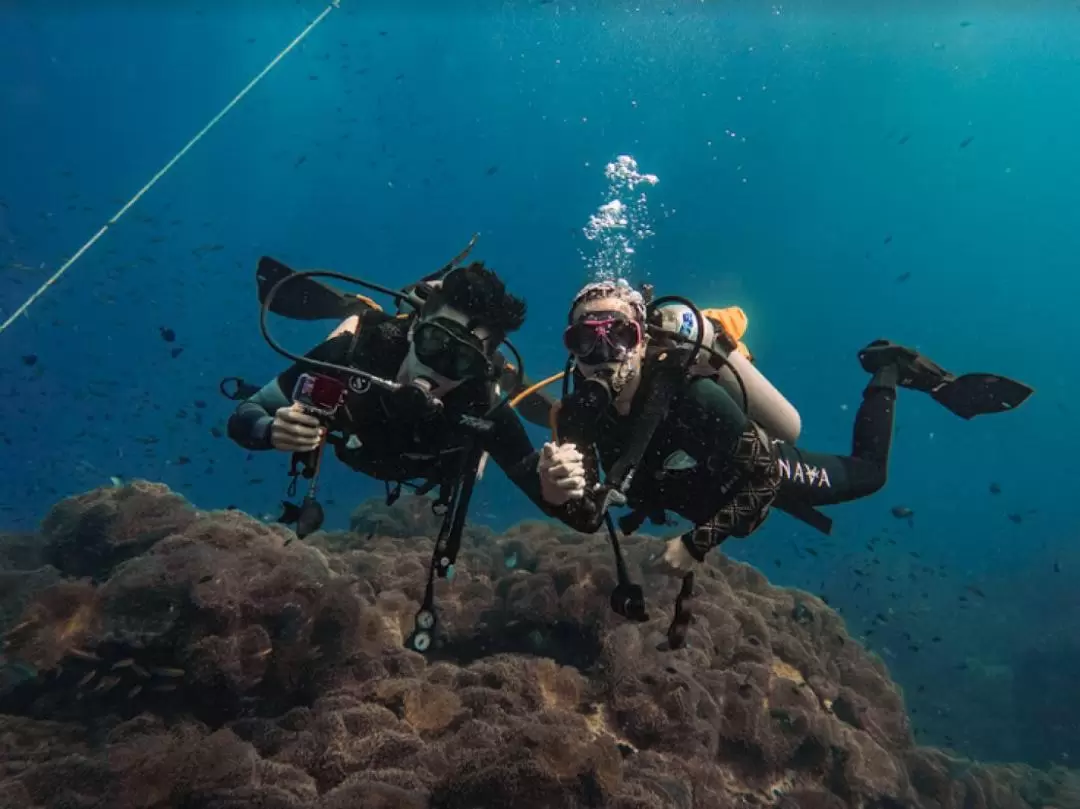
[(208, 661)]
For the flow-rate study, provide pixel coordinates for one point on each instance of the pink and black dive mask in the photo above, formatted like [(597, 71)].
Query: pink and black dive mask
[(600, 337)]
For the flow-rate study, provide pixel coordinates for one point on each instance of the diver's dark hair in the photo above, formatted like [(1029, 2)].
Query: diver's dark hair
[(479, 293)]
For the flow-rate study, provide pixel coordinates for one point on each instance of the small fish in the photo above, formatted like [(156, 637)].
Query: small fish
[(176, 352), (903, 277), (965, 23), (966, 141), (106, 684), (30, 359), (167, 334), (83, 655), (888, 238), (116, 481), (904, 513), (167, 671), (1057, 567), (300, 161), (995, 488), (492, 171), (126, 663), (134, 692), (903, 140), (86, 678), (203, 249), (18, 627)]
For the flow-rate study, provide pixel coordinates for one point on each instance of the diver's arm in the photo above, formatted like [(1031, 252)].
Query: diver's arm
[(510, 447), (534, 408), (249, 425)]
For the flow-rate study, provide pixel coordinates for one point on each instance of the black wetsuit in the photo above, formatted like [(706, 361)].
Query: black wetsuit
[(710, 464), (370, 437)]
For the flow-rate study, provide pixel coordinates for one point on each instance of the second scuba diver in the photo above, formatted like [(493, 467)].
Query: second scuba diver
[(404, 398), (672, 434)]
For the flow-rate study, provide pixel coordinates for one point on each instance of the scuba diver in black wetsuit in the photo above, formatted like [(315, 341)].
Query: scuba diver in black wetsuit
[(404, 399), (310, 300), (672, 436)]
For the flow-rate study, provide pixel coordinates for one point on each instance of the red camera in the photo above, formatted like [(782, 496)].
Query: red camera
[(322, 395)]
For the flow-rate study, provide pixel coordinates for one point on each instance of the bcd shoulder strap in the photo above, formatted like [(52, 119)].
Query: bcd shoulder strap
[(667, 379)]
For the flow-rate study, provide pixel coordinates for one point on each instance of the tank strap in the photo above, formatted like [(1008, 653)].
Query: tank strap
[(807, 514)]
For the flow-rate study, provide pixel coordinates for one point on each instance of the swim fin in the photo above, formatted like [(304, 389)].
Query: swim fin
[(973, 395), (967, 396), (306, 298)]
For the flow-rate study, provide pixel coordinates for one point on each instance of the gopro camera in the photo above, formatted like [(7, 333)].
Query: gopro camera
[(321, 395)]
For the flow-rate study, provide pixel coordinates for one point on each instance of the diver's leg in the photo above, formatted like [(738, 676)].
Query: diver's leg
[(821, 479), (967, 396)]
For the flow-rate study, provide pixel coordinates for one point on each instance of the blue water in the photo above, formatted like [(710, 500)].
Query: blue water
[(808, 158)]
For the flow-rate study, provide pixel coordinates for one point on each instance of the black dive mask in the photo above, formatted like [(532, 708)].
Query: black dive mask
[(450, 350)]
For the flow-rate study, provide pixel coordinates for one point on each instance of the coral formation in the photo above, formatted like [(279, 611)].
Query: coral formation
[(169, 657)]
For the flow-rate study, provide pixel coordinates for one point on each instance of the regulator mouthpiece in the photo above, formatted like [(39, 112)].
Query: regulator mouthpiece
[(414, 400)]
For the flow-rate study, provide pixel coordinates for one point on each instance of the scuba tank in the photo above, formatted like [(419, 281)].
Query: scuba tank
[(719, 357)]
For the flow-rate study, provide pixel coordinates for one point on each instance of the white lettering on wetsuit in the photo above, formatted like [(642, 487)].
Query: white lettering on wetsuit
[(799, 472)]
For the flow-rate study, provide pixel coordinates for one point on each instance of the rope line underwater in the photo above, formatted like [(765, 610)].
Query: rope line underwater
[(165, 169)]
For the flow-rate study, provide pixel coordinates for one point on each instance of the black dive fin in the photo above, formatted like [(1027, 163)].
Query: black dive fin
[(973, 395), (913, 370), (304, 299), (310, 518), (290, 513)]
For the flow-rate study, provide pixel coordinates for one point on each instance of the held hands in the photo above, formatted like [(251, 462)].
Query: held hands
[(562, 473), (294, 430)]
